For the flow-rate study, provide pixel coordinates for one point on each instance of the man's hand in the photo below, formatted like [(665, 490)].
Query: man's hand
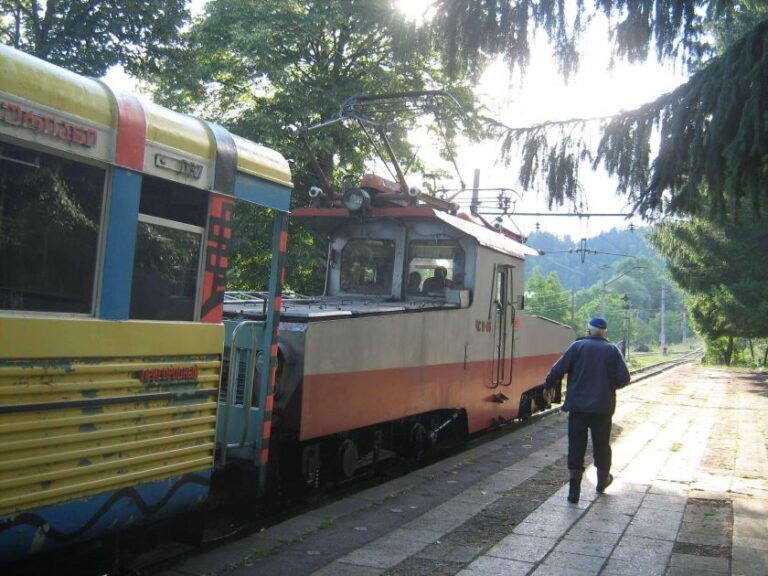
[(549, 395)]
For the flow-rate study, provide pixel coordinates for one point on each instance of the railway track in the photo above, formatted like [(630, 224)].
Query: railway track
[(653, 369), (229, 523)]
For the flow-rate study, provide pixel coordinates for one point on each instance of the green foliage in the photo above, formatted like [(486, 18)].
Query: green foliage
[(614, 313), (469, 31), (721, 350), (711, 160), (267, 68), (90, 36), (727, 289), (252, 253), (713, 143), (252, 229), (746, 15), (615, 248), (713, 138), (545, 296), (472, 30)]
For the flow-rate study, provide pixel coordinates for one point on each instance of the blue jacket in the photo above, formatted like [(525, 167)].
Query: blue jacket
[(595, 370)]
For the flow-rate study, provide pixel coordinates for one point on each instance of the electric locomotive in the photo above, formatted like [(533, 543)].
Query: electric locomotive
[(421, 334)]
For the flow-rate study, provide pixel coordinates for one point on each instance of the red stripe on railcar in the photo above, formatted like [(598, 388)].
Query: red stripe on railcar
[(131, 131), (217, 257)]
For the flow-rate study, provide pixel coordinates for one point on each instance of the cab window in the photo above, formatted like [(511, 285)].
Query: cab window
[(434, 266)]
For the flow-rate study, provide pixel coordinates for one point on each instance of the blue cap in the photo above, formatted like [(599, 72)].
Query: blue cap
[(597, 322)]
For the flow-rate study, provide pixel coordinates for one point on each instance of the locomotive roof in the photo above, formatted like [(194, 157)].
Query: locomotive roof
[(329, 218)]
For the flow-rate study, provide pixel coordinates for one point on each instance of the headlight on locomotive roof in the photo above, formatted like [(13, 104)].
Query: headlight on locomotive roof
[(356, 199)]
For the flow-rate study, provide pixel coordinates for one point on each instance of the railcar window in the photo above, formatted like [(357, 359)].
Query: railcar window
[(168, 247), (50, 218), (367, 266), (434, 266)]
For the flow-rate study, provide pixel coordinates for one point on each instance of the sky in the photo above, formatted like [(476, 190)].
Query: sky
[(542, 95)]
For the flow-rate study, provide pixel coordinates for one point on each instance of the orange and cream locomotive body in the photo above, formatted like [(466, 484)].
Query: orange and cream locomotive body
[(420, 334)]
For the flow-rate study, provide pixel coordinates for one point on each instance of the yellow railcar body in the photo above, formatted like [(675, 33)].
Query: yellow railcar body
[(91, 406)]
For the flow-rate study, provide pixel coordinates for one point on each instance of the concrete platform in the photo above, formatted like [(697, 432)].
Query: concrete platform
[(690, 497)]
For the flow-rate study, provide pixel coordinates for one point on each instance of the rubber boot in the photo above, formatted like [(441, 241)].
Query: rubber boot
[(604, 479), (574, 486)]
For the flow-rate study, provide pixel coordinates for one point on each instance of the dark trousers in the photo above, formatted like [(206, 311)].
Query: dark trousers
[(600, 426)]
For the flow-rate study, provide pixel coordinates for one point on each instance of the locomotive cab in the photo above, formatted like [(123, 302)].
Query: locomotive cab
[(395, 261)]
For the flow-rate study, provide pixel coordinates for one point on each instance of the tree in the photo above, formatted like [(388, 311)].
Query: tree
[(269, 68), (545, 296), (90, 36), (711, 129), (589, 304), (470, 30), (715, 265)]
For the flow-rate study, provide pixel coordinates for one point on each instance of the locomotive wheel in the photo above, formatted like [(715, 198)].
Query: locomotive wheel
[(418, 440), (310, 465), (346, 459)]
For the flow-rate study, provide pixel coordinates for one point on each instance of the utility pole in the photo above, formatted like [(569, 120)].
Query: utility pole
[(475, 193), (573, 307), (663, 335), (602, 299), (683, 323), (625, 347)]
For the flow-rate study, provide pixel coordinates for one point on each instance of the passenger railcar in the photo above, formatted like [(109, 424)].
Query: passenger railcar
[(421, 332), (115, 227)]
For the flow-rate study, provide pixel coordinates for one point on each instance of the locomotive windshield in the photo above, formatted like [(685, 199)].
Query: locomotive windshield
[(367, 266)]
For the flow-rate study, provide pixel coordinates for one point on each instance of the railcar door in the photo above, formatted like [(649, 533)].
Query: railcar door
[(502, 315)]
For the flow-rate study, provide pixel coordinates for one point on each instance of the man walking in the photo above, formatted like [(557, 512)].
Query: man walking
[(595, 371)]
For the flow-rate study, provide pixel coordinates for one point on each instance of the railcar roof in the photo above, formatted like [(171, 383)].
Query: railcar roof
[(48, 87)]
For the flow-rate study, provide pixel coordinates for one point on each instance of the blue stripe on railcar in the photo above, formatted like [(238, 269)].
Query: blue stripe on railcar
[(79, 520), (120, 245), (262, 192)]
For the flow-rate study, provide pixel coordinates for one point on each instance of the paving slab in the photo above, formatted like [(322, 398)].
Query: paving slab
[(700, 563), (495, 565), (523, 547), (583, 562)]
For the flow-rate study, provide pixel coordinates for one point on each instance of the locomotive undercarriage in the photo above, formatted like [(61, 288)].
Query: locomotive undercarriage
[(339, 457)]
